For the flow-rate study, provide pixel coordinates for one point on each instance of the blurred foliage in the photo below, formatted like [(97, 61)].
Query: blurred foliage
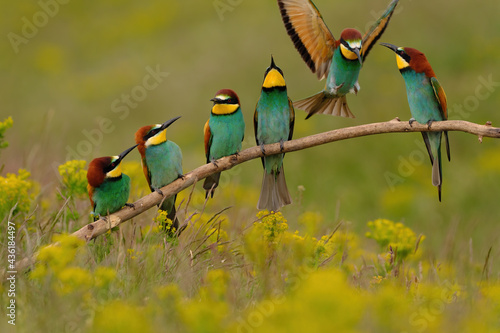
[(394, 237), (4, 126), (17, 190), (299, 283), (74, 179)]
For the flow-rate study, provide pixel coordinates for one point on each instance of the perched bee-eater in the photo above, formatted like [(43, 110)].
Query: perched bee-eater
[(224, 132), (161, 162), (338, 60), (108, 187), (273, 122), (427, 102)]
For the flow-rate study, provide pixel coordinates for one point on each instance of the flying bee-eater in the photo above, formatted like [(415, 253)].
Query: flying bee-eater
[(338, 60), (108, 187), (161, 162), (427, 102), (224, 132), (274, 119)]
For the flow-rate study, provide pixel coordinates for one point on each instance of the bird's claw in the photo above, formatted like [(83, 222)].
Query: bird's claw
[(131, 205), (235, 156), (429, 124), (262, 149), (160, 192), (411, 121), (282, 145), (181, 177), (214, 162)]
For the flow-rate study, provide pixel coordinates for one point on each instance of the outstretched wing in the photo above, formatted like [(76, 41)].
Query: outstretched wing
[(309, 34), (377, 29), (443, 107), (208, 140)]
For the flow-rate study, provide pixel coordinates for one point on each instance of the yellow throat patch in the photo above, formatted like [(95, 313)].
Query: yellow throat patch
[(348, 53), (116, 172), (401, 62), (157, 139), (221, 109), (274, 79)]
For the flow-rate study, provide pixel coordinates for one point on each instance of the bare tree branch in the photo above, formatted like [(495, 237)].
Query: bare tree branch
[(101, 226)]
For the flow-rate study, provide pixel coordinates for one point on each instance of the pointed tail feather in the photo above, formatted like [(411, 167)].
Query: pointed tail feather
[(274, 193), (437, 176), (447, 145), (212, 180), (321, 103)]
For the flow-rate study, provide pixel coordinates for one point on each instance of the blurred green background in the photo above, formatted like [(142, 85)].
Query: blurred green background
[(77, 67)]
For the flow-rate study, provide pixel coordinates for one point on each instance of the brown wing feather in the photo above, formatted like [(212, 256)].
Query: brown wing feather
[(443, 106), (147, 174), (208, 139), (90, 189), (376, 30), (309, 34), (440, 96)]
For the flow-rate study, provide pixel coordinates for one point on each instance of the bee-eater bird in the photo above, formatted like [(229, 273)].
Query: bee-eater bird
[(427, 102), (273, 122), (224, 132), (108, 187), (161, 162), (338, 60)]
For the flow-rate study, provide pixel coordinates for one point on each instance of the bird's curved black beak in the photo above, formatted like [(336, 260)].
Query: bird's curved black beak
[(273, 65), (125, 153), (356, 52), (168, 123), (390, 46)]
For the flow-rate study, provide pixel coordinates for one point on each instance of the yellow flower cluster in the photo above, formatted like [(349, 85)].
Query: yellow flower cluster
[(16, 189), (56, 263), (4, 126), (74, 179), (393, 235), (164, 223), (272, 225)]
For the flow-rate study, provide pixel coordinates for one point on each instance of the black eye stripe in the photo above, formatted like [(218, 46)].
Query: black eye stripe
[(151, 133)]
